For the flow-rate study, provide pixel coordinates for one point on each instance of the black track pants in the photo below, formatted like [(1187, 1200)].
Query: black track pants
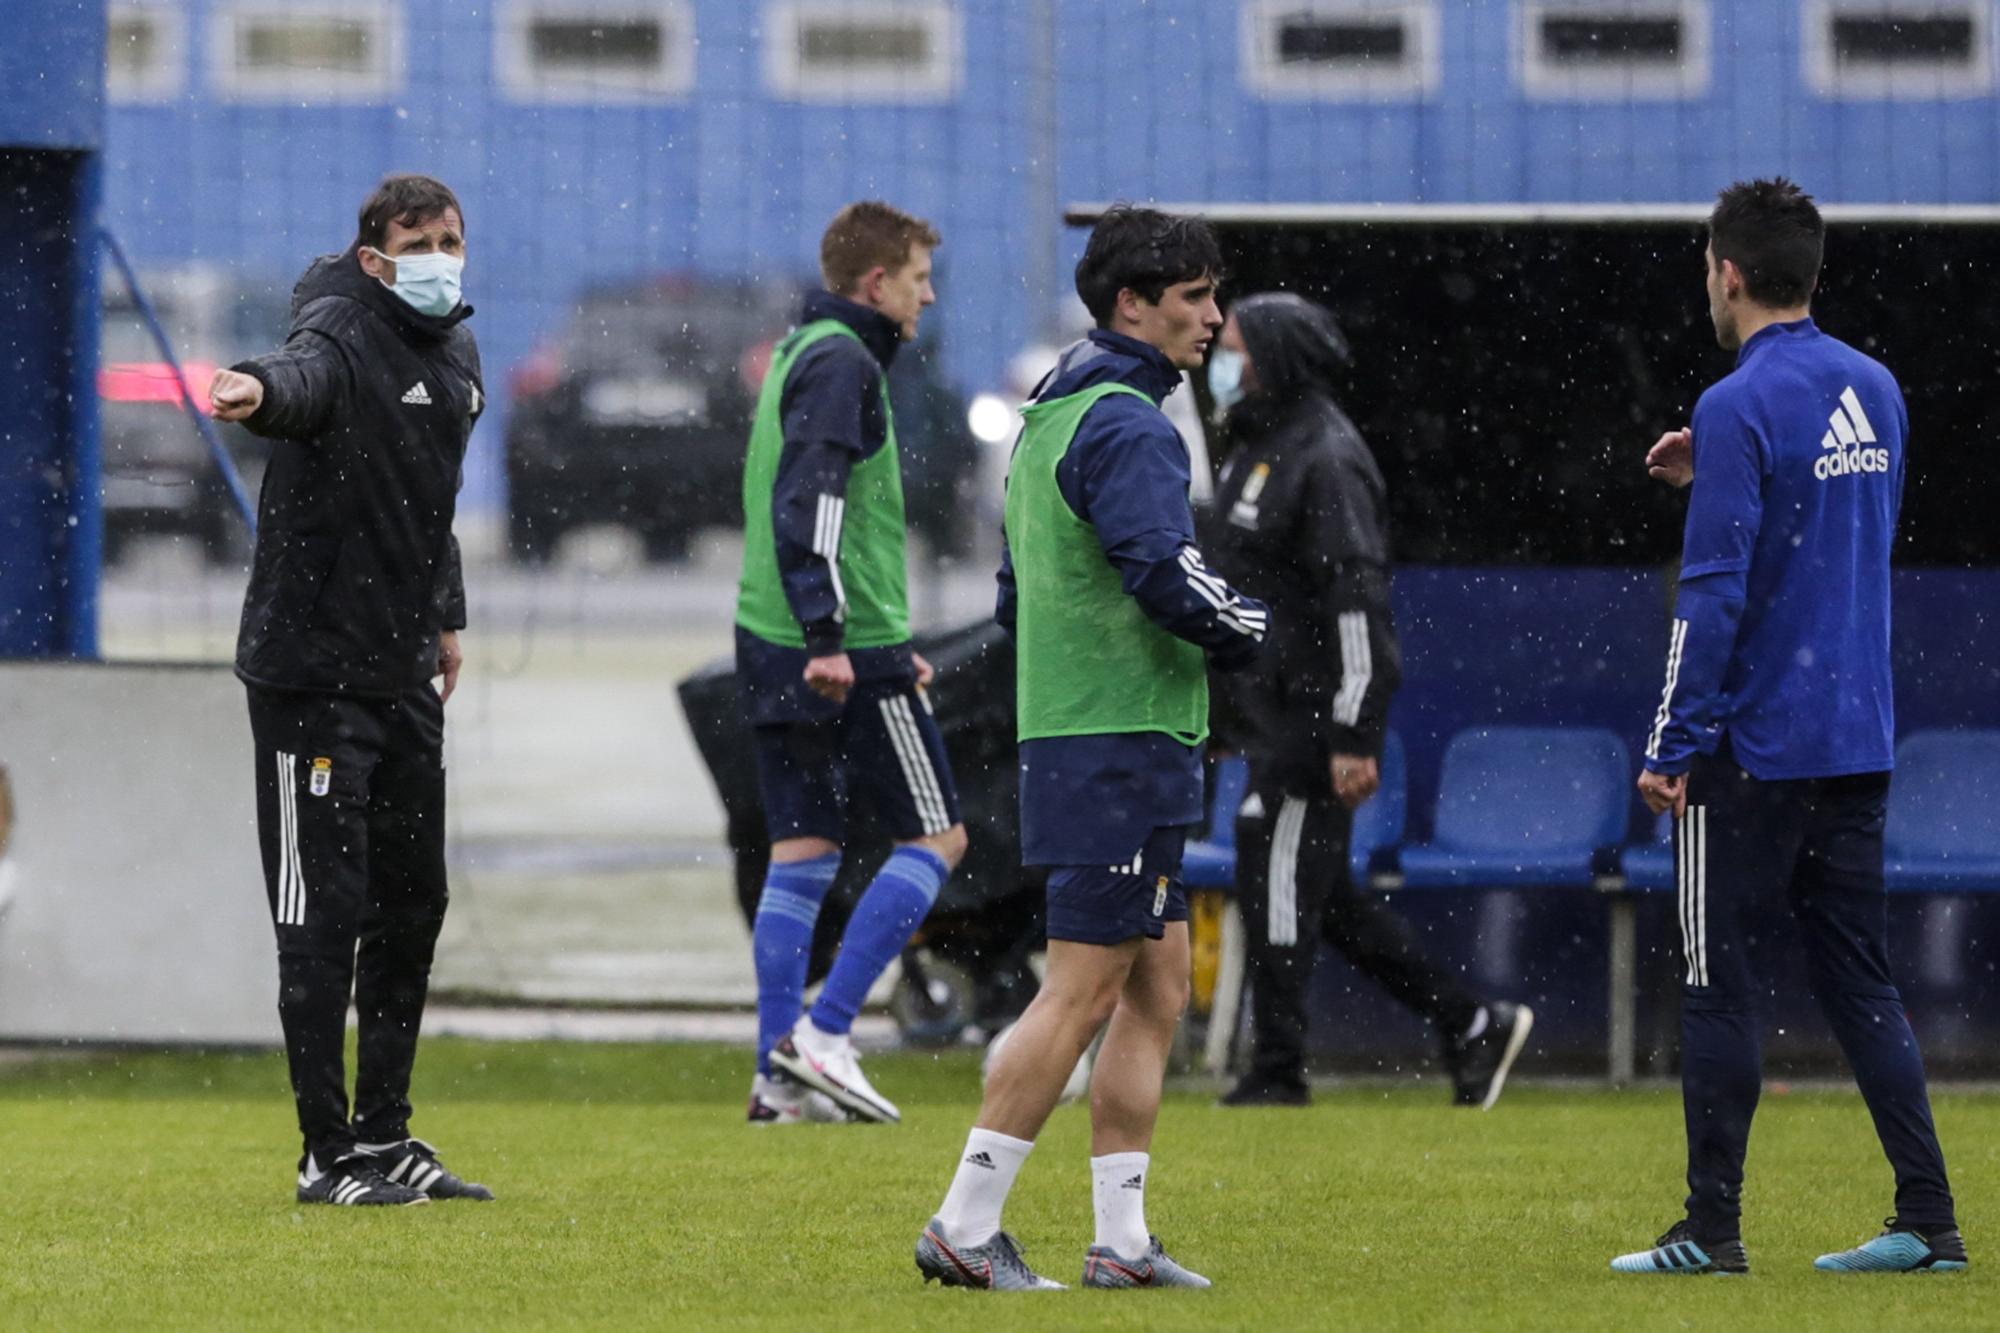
[(1816, 845), (1294, 890), (350, 815)]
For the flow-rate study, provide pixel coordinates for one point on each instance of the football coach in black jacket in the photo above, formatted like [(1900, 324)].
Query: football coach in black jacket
[(1300, 521), (354, 607)]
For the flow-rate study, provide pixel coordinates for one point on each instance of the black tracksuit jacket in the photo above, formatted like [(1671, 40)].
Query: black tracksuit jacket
[(1300, 522), (356, 573)]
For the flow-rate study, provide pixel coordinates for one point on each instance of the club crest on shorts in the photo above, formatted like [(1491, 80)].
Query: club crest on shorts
[(322, 776), (1160, 896)]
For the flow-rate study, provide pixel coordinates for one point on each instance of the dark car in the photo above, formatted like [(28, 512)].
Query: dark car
[(638, 414), (639, 411), (940, 456), (158, 474)]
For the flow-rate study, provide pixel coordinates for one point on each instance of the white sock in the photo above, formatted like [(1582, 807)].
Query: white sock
[(971, 1209), (1118, 1190)]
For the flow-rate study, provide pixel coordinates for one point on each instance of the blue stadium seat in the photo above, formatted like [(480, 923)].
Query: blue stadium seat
[(1378, 825), (1649, 866), (1210, 862), (1943, 833), (1524, 806)]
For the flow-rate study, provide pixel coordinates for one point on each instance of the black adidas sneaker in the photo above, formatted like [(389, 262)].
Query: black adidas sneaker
[(415, 1163), (354, 1181)]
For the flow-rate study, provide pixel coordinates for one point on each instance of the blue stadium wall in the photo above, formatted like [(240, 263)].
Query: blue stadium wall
[(1150, 101)]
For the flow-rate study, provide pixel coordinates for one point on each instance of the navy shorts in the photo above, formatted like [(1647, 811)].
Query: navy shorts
[(884, 742), (1112, 904)]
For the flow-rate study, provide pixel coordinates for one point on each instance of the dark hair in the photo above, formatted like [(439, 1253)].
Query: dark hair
[(408, 201), (1771, 230), (869, 235), (1145, 250)]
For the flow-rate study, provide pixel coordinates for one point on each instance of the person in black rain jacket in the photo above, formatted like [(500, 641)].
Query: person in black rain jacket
[(354, 606), (1300, 522)]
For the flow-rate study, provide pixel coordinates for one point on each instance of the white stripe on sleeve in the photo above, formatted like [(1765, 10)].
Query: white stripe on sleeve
[(1229, 609), (1661, 718), (827, 520), (1357, 668)]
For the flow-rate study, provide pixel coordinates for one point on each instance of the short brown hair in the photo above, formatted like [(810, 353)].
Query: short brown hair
[(1145, 250), (868, 235), (409, 201), (1772, 230)]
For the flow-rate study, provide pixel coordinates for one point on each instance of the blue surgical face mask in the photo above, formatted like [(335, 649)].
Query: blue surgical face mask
[(1225, 378), (429, 282)]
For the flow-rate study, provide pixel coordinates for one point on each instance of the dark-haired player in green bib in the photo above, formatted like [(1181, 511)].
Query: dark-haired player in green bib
[(1116, 619), (832, 691)]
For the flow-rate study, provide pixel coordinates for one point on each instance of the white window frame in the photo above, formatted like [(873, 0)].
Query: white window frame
[(671, 79), (1543, 79), (1904, 82), (236, 84), (167, 81), (1265, 74), (786, 75)]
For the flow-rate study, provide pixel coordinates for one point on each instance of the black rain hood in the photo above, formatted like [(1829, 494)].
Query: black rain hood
[(342, 275), (1294, 345), (1301, 522)]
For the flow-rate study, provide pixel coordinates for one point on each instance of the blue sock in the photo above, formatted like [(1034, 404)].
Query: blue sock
[(781, 943), (895, 904)]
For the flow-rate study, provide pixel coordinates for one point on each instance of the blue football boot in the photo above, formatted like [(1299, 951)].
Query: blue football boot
[(1901, 1249), (1678, 1252)]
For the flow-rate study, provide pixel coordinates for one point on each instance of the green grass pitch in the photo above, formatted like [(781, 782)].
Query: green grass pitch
[(154, 1191)]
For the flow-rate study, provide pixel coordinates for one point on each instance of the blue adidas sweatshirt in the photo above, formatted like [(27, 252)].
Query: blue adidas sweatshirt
[(1780, 639)]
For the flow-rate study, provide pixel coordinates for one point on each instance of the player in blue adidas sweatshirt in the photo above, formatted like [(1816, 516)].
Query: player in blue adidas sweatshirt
[(1774, 739)]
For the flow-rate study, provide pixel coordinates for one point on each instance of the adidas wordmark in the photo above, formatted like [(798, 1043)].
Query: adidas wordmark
[(1848, 430)]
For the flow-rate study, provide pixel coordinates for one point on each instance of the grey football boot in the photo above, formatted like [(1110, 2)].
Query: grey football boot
[(995, 1266), (1104, 1267)]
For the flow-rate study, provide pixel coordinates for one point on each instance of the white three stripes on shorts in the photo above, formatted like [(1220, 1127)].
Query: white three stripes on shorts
[(1691, 878), (291, 873), (925, 790)]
